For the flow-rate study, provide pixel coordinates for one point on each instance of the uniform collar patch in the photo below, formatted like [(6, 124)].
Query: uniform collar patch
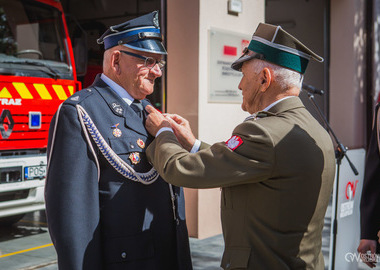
[(117, 109)]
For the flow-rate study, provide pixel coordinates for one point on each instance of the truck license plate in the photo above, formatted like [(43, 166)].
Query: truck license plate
[(35, 172)]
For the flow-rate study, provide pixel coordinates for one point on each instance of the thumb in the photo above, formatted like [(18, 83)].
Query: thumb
[(172, 122)]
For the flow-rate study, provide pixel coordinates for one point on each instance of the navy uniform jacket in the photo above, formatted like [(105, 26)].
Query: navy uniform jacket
[(115, 223), (370, 200)]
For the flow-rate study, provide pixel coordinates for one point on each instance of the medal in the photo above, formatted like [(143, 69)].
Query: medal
[(116, 132), (140, 143), (134, 157)]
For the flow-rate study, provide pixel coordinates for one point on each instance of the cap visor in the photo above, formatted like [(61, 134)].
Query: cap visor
[(239, 62), (147, 45)]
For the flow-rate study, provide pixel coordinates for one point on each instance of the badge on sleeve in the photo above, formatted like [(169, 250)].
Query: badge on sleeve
[(234, 142)]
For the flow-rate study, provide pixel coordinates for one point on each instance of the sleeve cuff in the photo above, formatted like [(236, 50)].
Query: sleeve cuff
[(164, 129), (196, 146)]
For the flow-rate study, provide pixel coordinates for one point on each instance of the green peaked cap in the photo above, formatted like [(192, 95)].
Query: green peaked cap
[(277, 46)]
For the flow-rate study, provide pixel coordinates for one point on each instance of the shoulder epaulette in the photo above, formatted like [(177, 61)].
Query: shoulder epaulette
[(79, 96), (264, 114), (259, 115)]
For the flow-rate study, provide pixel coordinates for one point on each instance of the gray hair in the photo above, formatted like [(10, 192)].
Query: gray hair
[(106, 60), (285, 77)]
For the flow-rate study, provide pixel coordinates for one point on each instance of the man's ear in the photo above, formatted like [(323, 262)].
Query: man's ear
[(115, 62), (266, 78)]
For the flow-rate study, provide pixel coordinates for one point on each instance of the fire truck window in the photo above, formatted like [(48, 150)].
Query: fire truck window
[(30, 29)]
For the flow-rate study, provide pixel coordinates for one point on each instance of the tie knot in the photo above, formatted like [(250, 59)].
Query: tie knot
[(137, 104), (137, 107)]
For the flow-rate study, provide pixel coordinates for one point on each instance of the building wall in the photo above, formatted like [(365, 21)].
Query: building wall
[(182, 78), (188, 24), (376, 52), (305, 20), (347, 72)]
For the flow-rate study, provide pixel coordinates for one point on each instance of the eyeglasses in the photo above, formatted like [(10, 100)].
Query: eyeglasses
[(150, 62)]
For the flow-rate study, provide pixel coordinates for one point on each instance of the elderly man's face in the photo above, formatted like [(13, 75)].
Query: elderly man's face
[(135, 77), (250, 87)]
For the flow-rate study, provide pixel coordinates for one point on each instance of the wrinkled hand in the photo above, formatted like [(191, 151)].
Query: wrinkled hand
[(182, 130), (155, 121), (368, 245)]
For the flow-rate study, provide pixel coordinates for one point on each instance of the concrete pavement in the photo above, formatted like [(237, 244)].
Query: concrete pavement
[(27, 246)]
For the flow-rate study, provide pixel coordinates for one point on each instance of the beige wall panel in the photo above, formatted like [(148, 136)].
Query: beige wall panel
[(182, 79), (188, 23), (217, 120), (347, 71)]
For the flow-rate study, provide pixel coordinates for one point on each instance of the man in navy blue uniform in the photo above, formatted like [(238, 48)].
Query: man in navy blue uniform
[(107, 208)]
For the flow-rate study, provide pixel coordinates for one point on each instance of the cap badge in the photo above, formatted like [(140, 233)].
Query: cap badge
[(116, 132), (134, 157), (140, 143), (234, 142), (155, 20), (117, 108)]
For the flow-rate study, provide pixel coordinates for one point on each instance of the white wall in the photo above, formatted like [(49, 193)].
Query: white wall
[(217, 121)]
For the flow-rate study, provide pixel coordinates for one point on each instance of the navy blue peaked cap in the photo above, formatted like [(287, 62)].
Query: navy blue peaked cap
[(141, 34)]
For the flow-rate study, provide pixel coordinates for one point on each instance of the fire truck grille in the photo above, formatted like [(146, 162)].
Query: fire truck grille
[(14, 195), (10, 175), (22, 136)]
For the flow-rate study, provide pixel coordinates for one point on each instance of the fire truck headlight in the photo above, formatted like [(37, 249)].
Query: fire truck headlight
[(34, 120)]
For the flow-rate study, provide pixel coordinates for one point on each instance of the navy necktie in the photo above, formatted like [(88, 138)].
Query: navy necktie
[(137, 107)]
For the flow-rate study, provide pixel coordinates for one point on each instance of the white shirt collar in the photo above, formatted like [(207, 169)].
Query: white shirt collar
[(118, 89)]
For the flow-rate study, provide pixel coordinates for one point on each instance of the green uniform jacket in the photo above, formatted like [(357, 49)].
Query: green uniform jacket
[(276, 186)]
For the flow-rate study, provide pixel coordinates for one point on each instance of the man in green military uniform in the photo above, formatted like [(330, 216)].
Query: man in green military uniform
[(277, 169)]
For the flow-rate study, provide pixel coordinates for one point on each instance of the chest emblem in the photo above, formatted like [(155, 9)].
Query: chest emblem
[(234, 142), (116, 132), (116, 107), (140, 143), (134, 157)]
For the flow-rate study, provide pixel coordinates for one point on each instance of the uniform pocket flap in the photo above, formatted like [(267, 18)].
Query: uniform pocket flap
[(124, 146), (236, 258), (129, 248)]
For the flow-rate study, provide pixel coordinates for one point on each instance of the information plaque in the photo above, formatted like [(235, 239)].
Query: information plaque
[(225, 48)]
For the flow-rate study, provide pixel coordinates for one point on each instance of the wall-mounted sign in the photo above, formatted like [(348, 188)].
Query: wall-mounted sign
[(235, 6), (225, 47)]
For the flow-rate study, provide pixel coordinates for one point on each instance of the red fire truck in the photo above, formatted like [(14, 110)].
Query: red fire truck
[(37, 73)]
